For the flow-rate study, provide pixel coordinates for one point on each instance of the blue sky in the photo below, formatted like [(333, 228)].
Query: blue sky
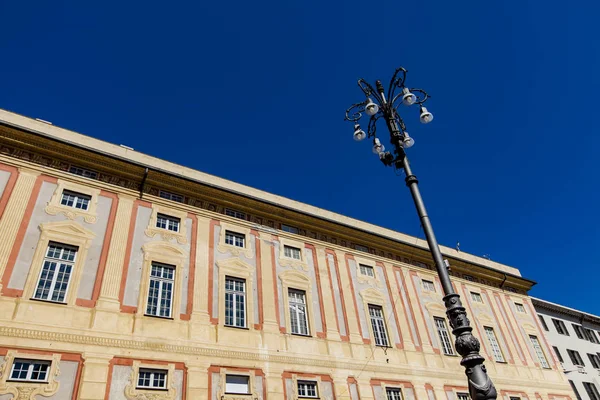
[(255, 92)]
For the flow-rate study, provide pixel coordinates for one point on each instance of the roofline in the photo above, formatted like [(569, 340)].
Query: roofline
[(564, 309), (98, 146)]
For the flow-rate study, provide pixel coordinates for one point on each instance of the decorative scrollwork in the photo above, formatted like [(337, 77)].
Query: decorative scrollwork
[(397, 81), (372, 128), (354, 112)]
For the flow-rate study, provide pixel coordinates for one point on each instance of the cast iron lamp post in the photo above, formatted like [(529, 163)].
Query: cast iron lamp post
[(381, 105)]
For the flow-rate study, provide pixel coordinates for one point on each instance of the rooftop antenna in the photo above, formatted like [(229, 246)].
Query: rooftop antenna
[(457, 246)]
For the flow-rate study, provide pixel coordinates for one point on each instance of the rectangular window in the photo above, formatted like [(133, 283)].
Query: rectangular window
[(235, 213), (543, 322), (514, 398), (575, 390), (378, 325), (578, 330), (476, 297), (292, 252), (362, 248), (235, 239), (29, 370), (160, 290), (520, 308), (307, 389), (152, 379), (86, 173), (590, 335), (558, 354), (75, 200), (591, 390), (298, 316), (575, 357), (442, 328), (367, 270), (170, 196), (595, 360), (560, 327), (489, 332), (428, 285), (538, 351), (167, 222), (235, 302), (393, 394), (290, 229), (470, 278), (237, 384), (56, 273), (462, 396)]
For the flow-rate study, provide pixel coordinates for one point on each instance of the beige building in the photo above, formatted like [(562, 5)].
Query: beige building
[(123, 276)]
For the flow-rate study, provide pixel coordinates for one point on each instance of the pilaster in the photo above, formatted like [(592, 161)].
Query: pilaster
[(349, 300), (197, 379), (95, 376), (200, 326)]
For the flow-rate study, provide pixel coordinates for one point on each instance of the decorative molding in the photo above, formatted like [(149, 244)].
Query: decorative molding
[(223, 247), (132, 392), (152, 230), (55, 207), (29, 390), (288, 262)]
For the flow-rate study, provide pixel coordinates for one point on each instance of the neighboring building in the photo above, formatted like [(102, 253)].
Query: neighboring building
[(575, 338), (127, 277)]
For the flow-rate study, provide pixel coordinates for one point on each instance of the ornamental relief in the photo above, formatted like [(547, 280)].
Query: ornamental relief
[(167, 235), (54, 206), (29, 390), (222, 247)]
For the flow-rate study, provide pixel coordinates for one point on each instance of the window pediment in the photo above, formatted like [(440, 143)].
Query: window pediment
[(236, 267), (69, 229), (295, 279), (162, 251), (372, 295)]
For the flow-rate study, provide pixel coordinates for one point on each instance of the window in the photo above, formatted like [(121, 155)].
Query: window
[(367, 270), (378, 325), (538, 351), (591, 336), (307, 389), (292, 252), (476, 297), (237, 384), (160, 290), (83, 172), (558, 354), (514, 398), (470, 278), (167, 222), (595, 360), (591, 390), (574, 389), (462, 396), (510, 289), (393, 394), (235, 239), (489, 332), (428, 285), (520, 308), (560, 327), (75, 200), (362, 248), (575, 357), (578, 330), (290, 229), (29, 370), (297, 304), (152, 379), (170, 196), (235, 213), (440, 324), (56, 272), (543, 322), (235, 302)]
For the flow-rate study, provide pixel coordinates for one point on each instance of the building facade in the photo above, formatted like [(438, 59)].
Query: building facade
[(575, 339), (123, 276)]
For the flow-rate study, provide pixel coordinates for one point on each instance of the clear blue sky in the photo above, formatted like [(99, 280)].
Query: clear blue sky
[(255, 92)]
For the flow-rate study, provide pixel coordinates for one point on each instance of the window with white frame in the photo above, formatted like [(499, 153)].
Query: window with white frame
[(591, 390), (160, 290), (292, 252), (235, 239), (578, 330), (520, 308), (235, 302), (538, 351), (152, 379), (289, 229), (462, 396), (595, 360), (442, 329), (237, 384), (560, 327), (307, 389), (575, 357), (170, 196), (56, 273), (476, 297), (235, 213), (428, 285), (26, 370), (590, 335), (167, 222), (378, 325), (75, 200), (367, 270), (543, 321), (558, 354), (298, 316), (86, 173), (393, 393), (489, 332), (575, 389)]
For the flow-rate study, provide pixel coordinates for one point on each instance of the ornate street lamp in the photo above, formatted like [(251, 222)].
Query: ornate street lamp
[(381, 105)]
